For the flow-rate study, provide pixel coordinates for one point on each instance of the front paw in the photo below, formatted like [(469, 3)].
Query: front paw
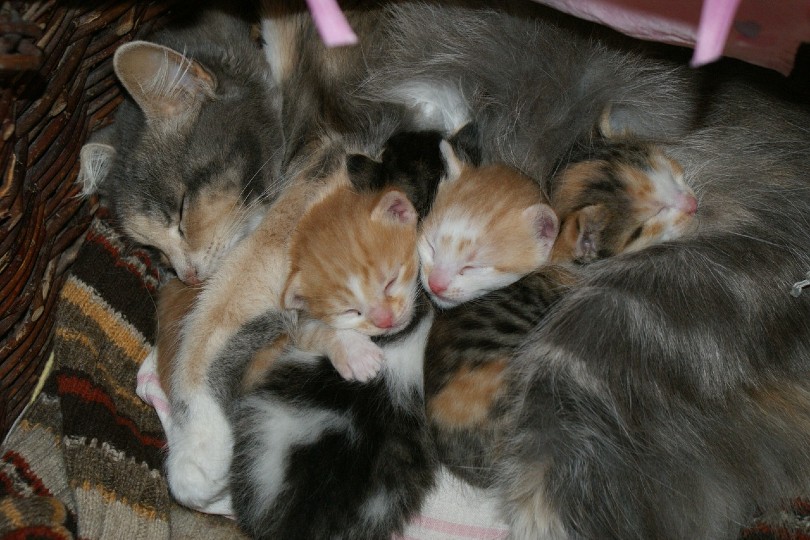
[(199, 461), (358, 358)]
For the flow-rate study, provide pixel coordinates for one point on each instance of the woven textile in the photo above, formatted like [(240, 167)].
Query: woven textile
[(85, 458)]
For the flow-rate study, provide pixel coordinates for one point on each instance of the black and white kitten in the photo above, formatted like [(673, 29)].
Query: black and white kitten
[(317, 456)]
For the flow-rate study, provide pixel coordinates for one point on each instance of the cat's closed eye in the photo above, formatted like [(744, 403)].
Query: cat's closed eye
[(181, 223)]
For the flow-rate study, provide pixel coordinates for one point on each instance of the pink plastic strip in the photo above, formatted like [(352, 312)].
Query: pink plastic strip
[(716, 18), (331, 23)]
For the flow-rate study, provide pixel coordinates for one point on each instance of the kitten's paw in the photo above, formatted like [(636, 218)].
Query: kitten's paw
[(359, 358), (199, 459)]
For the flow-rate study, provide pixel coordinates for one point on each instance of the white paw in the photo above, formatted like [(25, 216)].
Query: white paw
[(199, 459), (359, 358)]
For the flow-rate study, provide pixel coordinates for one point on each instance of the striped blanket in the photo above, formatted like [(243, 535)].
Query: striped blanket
[(85, 458)]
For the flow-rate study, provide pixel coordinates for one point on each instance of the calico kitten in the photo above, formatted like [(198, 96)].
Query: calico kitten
[(194, 154), (317, 456), (623, 195), (617, 195)]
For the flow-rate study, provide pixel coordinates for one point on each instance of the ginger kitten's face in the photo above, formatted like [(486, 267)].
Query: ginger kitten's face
[(354, 262), (488, 227), (630, 196)]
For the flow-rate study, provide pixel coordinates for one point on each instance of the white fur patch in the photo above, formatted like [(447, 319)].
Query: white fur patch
[(402, 367), (95, 161), (436, 105), (279, 427), (199, 460), (376, 508)]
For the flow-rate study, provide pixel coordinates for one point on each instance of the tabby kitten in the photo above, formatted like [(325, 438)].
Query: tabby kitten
[(623, 195), (194, 155)]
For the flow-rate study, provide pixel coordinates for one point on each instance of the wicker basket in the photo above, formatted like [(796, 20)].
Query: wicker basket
[(56, 87)]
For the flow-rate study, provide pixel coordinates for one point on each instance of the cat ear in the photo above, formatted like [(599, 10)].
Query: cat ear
[(292, 298), (466, 142), (394, 206), (545, 225), (168, 86), (364, 172), (590, 222), (95, 161), (452, 163), (619, 121)]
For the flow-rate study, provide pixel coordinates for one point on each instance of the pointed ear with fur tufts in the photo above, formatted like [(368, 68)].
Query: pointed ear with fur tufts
[(394, 207), (545, 225), (166, 85), (95, 162), (292, 299)]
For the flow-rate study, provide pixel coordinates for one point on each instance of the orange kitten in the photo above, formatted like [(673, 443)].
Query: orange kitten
[(488, 226), (353, 268)]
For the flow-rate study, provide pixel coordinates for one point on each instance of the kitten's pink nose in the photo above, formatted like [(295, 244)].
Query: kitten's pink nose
[(190, 278), (686, 202), (438, 282), (381, 317)]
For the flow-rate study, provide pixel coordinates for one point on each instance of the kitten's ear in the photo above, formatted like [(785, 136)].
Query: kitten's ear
[(546, 227), (166, 85), (292, 298), (590, 222), (364, 172), (466, 142), (624, 121), (452, 163), (395, 207), (95, 162)]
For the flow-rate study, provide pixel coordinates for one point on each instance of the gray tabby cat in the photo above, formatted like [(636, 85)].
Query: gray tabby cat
[(194, 155), (668, 397)]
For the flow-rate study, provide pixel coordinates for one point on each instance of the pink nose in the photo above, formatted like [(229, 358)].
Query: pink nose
[(437, 282), (382, 317), (190, 278), (687, 202)]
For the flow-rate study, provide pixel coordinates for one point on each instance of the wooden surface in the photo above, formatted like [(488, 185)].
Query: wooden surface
[(56, 87)]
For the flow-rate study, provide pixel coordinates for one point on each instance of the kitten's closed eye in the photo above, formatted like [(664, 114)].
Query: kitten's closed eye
[(483, 231)]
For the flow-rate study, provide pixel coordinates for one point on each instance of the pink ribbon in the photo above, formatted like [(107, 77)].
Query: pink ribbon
[(716, 18), (331, 23)]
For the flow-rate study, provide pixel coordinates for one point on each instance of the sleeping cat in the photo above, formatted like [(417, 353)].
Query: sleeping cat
[(320, 456), (363, 288), (316, 455), (194, 155), (488, 226), (608, 196), (363, 223)]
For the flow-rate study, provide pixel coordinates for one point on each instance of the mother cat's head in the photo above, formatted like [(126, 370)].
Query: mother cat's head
[(194, 153)]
